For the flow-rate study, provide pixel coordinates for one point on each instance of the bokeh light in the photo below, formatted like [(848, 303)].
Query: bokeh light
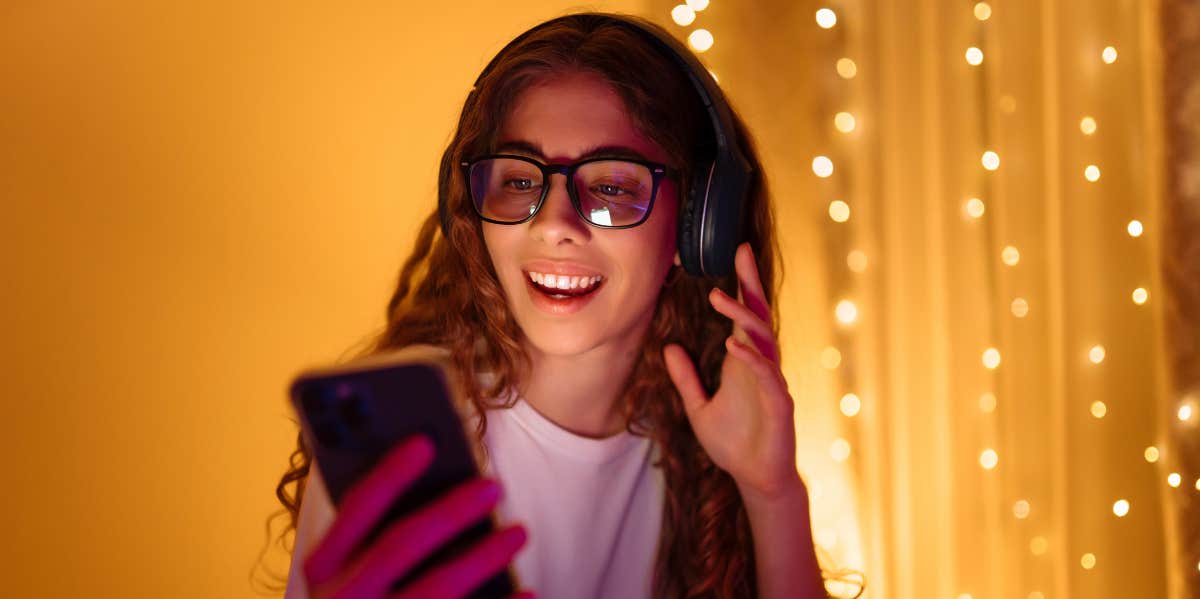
[(991, 358), (826, 18), (974, 56), (839, 211), (700, 40), (822, 166), (1020, 307), (846, 68), (683, 15), (990, 160)]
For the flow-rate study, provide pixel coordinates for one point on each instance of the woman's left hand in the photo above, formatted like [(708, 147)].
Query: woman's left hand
[(747, 426)]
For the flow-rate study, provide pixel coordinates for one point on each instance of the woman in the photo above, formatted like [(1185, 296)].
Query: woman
[(589, 352)]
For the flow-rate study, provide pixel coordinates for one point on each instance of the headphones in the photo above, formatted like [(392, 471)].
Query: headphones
[(710, 217)]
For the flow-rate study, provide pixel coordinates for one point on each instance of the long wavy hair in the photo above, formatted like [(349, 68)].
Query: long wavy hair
[(705, 547)]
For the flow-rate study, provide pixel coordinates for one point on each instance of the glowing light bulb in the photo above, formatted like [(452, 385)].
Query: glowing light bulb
[(846, 68), (991, 358), (1121, 508), (1151, 454), (700, 40), (826, 18), (846, 312), (1020, 307), (990, 160), (1039, 545), (839, 211), (987, 402), (845, 122), (697, 5), (1096, 354), (822, 166), (974, 208), (1140, 295), (1010, 255), (850, 404), (1088, 561), (1021, 509), (988, 459), (1174, 479), (1135, 228), (1087, 125), (974, 56), (983, 11), (831, 358), (1099, 409), (1109, 55), (857, 260), (683, 15), (1092, 173), (839, 450)]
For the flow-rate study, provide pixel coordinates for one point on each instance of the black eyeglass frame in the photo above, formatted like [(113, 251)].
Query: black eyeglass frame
[(657, 173)]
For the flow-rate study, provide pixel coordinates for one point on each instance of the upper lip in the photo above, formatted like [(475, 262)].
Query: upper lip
[(550, 267)]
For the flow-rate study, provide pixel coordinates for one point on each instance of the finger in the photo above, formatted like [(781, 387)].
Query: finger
[(757, 331), (750, 289), (767, 373), (415, 537), (467, 571), (683, 374), (365, 503)]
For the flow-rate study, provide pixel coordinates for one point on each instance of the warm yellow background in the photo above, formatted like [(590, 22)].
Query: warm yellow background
[(197, 199)]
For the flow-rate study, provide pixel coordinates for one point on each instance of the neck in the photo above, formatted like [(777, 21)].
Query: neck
[(580, 392)]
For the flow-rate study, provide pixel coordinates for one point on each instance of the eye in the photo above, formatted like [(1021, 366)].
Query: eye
[(520, 184), (610, 190)]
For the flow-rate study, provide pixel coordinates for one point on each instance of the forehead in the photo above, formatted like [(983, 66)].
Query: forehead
[(569, 116)]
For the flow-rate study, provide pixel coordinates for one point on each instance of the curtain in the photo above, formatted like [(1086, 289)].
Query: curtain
[(970, 199)]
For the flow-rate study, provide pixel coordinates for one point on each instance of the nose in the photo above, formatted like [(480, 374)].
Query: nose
[(557, 222)]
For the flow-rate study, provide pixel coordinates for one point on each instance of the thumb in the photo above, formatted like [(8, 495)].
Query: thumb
[(683, 374)]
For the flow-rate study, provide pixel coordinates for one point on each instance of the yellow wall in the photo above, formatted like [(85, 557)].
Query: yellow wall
[(197, 200)]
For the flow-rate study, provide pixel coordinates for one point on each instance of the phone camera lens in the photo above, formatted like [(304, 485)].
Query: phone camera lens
[(355, 412)]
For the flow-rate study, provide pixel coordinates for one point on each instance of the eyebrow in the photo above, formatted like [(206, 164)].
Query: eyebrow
[(607, 151)]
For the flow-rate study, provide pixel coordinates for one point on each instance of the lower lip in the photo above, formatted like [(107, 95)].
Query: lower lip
[(550, 305)]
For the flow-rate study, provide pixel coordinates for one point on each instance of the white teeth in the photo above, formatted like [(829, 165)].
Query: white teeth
[(563, 281)]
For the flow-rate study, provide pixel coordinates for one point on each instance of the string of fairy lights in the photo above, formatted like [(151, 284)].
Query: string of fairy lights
[(846, 311)]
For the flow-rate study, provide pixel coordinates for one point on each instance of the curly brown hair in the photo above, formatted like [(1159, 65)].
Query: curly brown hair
[(705, 547)]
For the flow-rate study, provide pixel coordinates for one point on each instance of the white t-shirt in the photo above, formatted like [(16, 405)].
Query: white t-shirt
[(592, 508)]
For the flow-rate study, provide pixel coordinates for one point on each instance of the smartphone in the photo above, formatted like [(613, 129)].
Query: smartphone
[(351, 416)]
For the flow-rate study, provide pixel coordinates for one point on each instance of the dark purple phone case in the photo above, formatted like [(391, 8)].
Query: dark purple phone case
[(353, 417)]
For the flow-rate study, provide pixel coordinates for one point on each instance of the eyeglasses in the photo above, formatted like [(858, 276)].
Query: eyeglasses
[(606, 192)]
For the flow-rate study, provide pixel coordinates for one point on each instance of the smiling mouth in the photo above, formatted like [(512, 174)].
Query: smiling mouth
[(564, 286)]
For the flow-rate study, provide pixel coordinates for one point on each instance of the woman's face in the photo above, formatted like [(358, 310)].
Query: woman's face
[(561, 121)]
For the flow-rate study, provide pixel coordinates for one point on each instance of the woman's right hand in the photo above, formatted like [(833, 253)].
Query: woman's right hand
[(333, 570)]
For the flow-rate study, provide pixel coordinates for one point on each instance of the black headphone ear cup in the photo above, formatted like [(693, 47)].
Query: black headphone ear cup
[(689, 235)]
